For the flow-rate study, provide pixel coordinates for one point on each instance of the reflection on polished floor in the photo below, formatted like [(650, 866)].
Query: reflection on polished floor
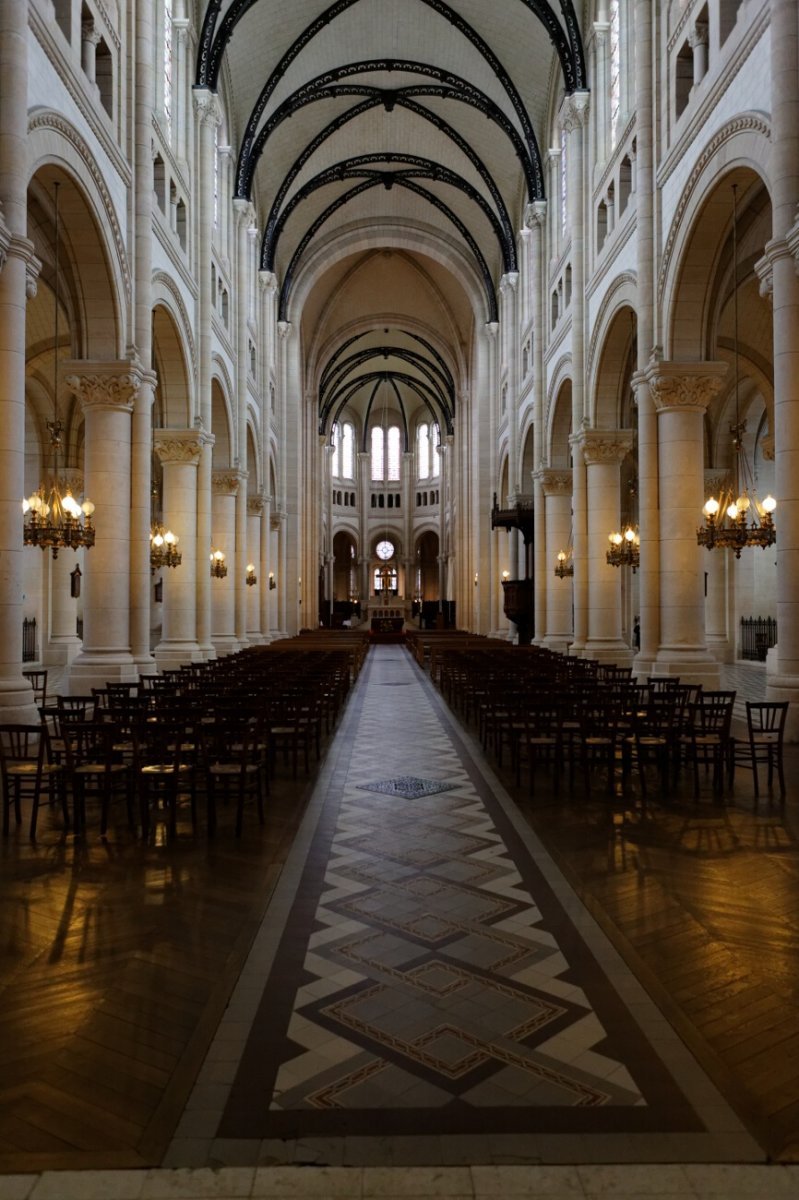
[(443, 977)]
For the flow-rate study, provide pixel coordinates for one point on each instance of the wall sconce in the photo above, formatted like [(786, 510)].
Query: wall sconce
[(505, 576), (272, 584), (476, 577), (251, 578), (218, 568)]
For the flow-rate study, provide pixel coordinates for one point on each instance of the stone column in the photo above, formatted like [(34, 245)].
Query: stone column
[(208, 116), (575, 118), (89, 41), (18, 267), (604, 451), (557, 489), (783, 252), (107, 393), (601, 89), (648, 485), (226, 486), (535, 220), (181, 89), (681, 393), (715, 576), (180, 452), (61, 643), (244, 216), (268, 586), (255, 514), (698, 40)]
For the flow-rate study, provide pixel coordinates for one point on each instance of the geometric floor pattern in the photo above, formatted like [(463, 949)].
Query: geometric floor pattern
[(426, 988)]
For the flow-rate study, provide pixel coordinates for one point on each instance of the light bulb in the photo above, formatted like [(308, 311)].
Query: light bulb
[(732, 511), (629, 535), (158, 540), (769, 504), (87, 507), (170, 538), (711, 507)]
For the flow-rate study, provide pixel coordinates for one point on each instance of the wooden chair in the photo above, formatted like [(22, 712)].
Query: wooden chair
[(709, 740), (234, 764), (95, 770), (539, 741), (165, 756), (38, 680), (27, 774), (765, 724)]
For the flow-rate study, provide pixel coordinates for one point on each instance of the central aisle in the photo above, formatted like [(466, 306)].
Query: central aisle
[(426, 989)]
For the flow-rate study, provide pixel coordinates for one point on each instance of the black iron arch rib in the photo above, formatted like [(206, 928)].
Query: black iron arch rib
[(455, 89), (568, 46), (393, 381), (440, 381), (421, 168), (352, 194), (326, 403), (339, 402), (416, 337), (239, 7)]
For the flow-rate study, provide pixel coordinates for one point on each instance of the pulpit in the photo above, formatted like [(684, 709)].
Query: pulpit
[(519, 607)]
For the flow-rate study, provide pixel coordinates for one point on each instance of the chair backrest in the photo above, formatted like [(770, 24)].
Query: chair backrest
[(767, 716), (38, 683), (22, 743), (77, 704), (663, 683), (714, 711)]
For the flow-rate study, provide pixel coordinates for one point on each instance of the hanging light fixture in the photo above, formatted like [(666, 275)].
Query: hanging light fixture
[(727, 516), (565, 564), (53, 521), (218, 568), (163, 542), (251, 578), (624, 550)]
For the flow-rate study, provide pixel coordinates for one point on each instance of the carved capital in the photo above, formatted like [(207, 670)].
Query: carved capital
[(283, 329), (492, 329), (684, 386), (767, 447), (207, 108), (88, 33), (509, 281), (245, 212), (178, 446), (267, 281), (255, 505), (699, 35), (225, 483), (765, 273), (98, 388), (605, 445), (574, 112), (535, 215), (554, 482)]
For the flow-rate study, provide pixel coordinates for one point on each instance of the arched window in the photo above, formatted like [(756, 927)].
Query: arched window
[(335, 458), (348, 451), (435, 442), (378, 455), (615, 71), (168, 66), (423, 451), (386, 454), (394, 454)]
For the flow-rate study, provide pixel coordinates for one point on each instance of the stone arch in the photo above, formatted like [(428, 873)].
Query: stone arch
[(100, 263), (527, 456), (616, 362), (223, 426), (559, 415), (173, 407), (167, 293)]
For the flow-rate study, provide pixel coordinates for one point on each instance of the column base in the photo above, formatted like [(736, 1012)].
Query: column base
[(224, 644), (255, 638), (17, 705), (721, 649), (62, 651), (786, 687), (559, 642), (610, 651), (94, 670), (692, 666), (171, 655), (146, 665)]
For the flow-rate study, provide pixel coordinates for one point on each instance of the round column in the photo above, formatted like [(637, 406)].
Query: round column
[(681, 393), (63, 644), (255, 513), (226, 486), (179, 452), (719, 636), (557, 490), (267, 577), (16, 273), (604, 452), (107, 398), (89, 41), (535, 221), (783, 253)]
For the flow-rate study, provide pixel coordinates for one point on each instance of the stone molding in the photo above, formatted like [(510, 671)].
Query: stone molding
[(679, 386), (535, 215), (600, 446), (178, 446)]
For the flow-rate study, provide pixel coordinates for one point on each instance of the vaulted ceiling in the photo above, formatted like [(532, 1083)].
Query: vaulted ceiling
[(400, 139)]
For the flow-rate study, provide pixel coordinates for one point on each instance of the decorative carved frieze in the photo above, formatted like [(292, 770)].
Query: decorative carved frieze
[(605, 445), (225, 483), (99, 385), (554, 482), (178, 446)]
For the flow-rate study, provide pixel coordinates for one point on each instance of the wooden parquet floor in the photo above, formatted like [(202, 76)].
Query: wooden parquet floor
[(118, 959)]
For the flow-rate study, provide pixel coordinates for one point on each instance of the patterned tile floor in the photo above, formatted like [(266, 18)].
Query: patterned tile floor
[(427, 990)]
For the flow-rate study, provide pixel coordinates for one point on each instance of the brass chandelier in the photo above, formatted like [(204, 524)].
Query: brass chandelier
[(218, 567), (565, 564), (53, 521), (727, 517), (163, 542), (625, 548)]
